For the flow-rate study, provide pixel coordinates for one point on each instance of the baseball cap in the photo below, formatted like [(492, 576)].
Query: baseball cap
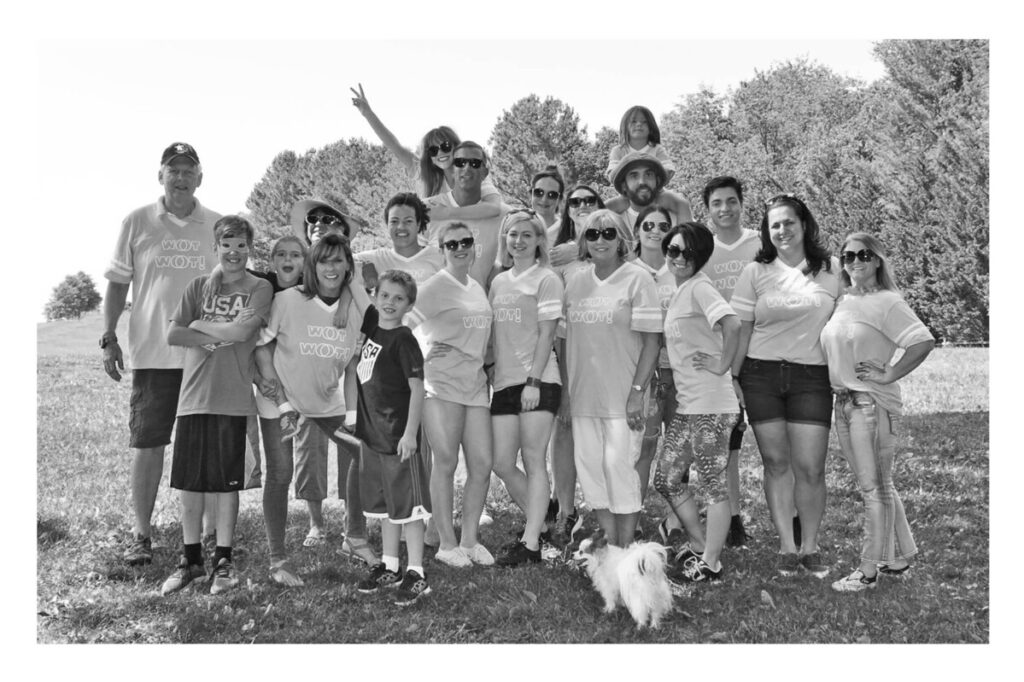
[(179, 149)]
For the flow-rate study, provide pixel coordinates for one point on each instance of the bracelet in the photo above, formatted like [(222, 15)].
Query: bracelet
[(350, 416), (533, 381)]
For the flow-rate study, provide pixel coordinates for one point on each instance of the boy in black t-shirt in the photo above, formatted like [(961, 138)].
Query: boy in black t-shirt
[(393, 484)]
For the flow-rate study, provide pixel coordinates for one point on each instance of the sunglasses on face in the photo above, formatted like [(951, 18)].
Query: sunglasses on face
[(576, 202), (864, 256), (649, 225), (473, 163), (607, 233), (456, 244), (322, 219), (674, 252), (433, 149), (538, 192)]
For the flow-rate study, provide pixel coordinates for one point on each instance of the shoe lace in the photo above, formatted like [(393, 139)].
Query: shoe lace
[(223, 569)]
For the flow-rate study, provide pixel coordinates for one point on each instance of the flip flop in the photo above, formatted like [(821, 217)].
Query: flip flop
[(283, 573), (314, 538)]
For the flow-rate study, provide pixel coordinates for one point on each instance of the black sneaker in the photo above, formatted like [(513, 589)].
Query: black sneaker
[(139, 552), (686, 555), (788, 564), (670, 537), (699, 572), (412, 588), (813, 564), (894, 572), (379, 577), (552, 514), (737, 536), (517, 555)]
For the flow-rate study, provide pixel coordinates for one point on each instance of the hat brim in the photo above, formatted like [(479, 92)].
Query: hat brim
[(302, 208), (619, 177)]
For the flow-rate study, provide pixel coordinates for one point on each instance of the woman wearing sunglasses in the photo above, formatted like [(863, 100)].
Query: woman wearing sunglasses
[(649, 230), (701, 335), (431, 166), (871, 321), (783, 299), (546, 195), (581, 201), (613, 327), (453, 320), (527, 302)]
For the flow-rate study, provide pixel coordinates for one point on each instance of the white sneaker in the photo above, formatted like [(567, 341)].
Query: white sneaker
[(453, 557), (478, 554)]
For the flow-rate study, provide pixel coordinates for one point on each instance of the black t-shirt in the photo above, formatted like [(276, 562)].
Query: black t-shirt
[(390, 357)]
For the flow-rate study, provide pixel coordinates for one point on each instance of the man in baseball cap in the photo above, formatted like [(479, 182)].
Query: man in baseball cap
[(161, 248)]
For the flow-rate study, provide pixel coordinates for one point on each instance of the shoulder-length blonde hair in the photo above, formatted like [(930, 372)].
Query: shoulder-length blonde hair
[(601, 219), (884, 276), (523, 215)]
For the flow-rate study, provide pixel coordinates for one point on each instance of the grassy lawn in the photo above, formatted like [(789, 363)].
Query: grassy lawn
[(86, 594)]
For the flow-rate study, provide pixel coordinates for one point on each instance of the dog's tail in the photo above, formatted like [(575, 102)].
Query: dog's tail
[(644, 586), (646, 560)]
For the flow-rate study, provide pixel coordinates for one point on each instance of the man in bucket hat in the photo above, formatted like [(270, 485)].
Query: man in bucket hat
[(311, 219), (641, 178), (161, 248)]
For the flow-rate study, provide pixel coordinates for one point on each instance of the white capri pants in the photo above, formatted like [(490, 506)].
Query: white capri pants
[(606, 451)]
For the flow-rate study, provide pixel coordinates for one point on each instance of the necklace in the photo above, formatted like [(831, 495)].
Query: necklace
[(855, 290)]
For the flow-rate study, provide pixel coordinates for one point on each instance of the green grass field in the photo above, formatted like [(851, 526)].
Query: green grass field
[(86, 594)]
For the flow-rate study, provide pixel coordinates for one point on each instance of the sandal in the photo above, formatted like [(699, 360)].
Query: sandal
[(359, 548), (283, 573), (314, 538)]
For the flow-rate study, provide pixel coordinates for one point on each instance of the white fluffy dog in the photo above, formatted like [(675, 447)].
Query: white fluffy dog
[(633, 577)]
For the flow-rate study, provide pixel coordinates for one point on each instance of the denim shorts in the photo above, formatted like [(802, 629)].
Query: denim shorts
[(776, 390), (153, 406), (509, 400)]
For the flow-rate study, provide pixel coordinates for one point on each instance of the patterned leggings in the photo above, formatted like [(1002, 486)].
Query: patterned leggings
[(700, 437)]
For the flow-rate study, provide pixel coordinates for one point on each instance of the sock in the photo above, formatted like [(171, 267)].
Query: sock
[(418, 569), (194, 554), (736, 520), (221, 553), (391, 563)]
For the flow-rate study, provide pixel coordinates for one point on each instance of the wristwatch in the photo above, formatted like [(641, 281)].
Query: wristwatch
[(107, 339)]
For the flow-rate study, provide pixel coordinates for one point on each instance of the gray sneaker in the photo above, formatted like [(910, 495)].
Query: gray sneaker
[(182, 576), (139, 552), (223, 576)]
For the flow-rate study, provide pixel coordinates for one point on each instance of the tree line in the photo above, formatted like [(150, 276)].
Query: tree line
[(905, 158)]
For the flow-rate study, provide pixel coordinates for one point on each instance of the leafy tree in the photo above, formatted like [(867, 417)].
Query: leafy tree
[(531, 135), (75, 295)]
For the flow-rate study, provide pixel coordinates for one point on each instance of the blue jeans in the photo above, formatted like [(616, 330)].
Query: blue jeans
[(867, 437)]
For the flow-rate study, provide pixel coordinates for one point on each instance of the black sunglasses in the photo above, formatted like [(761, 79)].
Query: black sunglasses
[(674, 252), (649, 225), (552, 194), (607, 233), (456, 244), (864, 256), (576, 202), (784, 196), (473, 163), (433, 149), (320, 218)]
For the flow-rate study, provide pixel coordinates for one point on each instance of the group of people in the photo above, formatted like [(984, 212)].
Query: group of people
[(603, 338)]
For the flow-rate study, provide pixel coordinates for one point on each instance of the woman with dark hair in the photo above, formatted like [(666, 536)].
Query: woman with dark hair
[(431, 165), (301, 318), (406, 218), (546, 190), (701, 336), (871, 321), (613, 327), (783, 299), (581, 201), (452, 318)]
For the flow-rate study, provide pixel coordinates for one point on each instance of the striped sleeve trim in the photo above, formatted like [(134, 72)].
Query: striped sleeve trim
[(119, 272), (549, 310), (717, 311), (646, 320), (917, 333)]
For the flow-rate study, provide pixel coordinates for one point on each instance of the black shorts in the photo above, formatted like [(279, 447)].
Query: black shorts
[(775, 390), (153, 405), (392, 489), (209, 453), (509, 400)]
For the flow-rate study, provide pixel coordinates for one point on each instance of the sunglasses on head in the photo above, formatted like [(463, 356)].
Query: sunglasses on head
[(674, 252), (456, 244), (538, 192), (314, 218), (864, 256), (433, 149), (649, 225), (607, 233), (473, 163), (784, 196), (576, 202)]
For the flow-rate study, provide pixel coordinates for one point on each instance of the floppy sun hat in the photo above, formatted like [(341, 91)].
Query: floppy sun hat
[(629, 161), (302, 208)]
